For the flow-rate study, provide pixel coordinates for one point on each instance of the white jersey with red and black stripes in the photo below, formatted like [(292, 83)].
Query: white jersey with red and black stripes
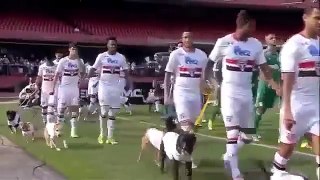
[(238, 61), (188, 68)]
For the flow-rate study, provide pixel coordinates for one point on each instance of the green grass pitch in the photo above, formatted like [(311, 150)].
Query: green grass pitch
[(87, 160)]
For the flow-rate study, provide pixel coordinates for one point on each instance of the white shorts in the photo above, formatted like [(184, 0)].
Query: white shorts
[(155, 136), (45, 98), (237, 111), (91, 89), (109, 96), (307, 121), (68, 96), (187, 104)]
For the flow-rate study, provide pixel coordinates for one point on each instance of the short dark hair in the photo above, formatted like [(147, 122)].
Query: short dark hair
[(112, 38), (73, 45), (244, 17), (309, 9)]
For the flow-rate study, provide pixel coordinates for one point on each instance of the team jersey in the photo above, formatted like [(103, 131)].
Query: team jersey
[(301, 56), (47, 73), (170, 147), (111, 66), (70, 70), (238, 61), (274, 63), (188, 68)]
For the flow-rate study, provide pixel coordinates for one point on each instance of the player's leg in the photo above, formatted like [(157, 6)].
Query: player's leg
[(114, 101), (127, 105), (104, 108), (288, 140), (74, 108), (230, 109), (44, 106), (157, 105), (314, 133), (61, 104), (111, 125), (260, 107), (93, 106)]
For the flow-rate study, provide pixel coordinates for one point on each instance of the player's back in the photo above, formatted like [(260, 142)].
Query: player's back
[(302, 56), (70, 70), (238, 61), (189, 69), (47, 73)]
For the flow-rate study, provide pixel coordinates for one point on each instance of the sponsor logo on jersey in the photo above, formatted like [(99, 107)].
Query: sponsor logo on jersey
[(313, 50), (241, 52), (189, 60), (72, 66), (112, 61)]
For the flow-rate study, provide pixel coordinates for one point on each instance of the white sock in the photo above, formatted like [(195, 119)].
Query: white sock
[(110, 126), (279, 162), (101, 120), (157, 104), (232, 155)]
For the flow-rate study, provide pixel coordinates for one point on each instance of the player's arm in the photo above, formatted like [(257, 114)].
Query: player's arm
[(58, 73), (214, 57), (266, 70), (288, 67), (39, 77), (82, 69), (96, 65), (169, 71), (125, 69)]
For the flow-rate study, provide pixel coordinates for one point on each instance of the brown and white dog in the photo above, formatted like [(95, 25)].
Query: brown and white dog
[(153, 136), (52, 132), (28, 130)]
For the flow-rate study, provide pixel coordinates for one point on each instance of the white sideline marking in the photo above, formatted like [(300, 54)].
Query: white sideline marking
[(224, 139)]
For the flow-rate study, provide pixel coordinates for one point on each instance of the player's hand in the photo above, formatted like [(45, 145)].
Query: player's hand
[(289, 122), (275, 86)]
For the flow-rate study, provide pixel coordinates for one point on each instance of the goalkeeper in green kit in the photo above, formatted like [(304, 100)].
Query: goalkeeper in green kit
[(266, 96)]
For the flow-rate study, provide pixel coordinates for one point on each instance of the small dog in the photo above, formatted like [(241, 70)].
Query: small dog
[(178, 148), (28, 130), (52, 131), (154, 136), (14, 120)]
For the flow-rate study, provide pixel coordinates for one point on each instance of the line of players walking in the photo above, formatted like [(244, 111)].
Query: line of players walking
[(239, 54)]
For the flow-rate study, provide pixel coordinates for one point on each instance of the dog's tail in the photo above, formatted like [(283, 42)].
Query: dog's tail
[(170, 124)]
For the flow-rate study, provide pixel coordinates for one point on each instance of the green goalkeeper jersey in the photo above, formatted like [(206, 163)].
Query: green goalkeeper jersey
[(273, 61)]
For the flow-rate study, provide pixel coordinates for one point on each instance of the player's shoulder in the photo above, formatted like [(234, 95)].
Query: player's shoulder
[(255, 42), (121, 56), (200, 52), (224, 41), (101, 55), (294, 40)]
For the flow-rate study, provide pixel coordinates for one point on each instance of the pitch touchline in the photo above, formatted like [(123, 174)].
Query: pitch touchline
[(224, 139)]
